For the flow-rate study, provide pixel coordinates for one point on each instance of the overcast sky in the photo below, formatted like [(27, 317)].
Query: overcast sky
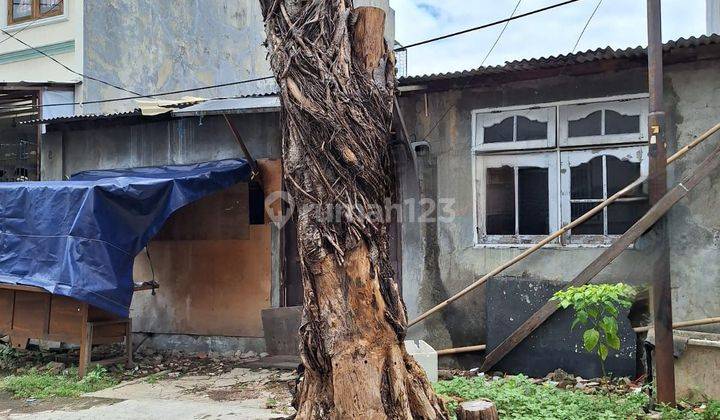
[(617, 23)]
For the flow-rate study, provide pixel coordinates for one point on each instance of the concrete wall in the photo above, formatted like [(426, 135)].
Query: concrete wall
[(58, 36), (207, 287), (158, 46), (452, 260), (693, 100)]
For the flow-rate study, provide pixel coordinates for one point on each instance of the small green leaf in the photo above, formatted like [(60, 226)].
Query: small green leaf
[(613, 341), (603, 352), (609, 325), (590, 339)]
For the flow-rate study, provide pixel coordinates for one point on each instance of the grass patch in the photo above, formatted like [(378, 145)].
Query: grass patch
[(35, 384), (516, 397)]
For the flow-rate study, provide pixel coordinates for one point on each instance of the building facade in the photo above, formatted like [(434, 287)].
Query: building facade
[(523, 149)]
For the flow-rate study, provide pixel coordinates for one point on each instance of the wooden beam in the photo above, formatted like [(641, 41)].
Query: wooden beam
[(643, 329), (706, 167)]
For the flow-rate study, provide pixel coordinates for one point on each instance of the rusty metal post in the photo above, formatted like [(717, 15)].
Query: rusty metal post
[(661, 290)]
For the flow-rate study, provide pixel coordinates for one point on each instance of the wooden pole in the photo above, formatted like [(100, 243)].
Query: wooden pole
[(646, 328), (680, 153), (697, 174), (661, 290)]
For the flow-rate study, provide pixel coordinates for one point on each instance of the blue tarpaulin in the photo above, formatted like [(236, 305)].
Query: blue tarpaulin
[(79, 238)]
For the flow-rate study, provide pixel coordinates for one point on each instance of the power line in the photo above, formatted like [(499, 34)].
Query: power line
[(13, 36), (31, 23), (449, 108), (586, 26), (174, 92), (139, 96), (500, 35), (487, 25)]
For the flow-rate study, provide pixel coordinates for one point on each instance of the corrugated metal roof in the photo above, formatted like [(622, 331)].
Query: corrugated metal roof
[(83, 117), (251, 104), (598, 54)]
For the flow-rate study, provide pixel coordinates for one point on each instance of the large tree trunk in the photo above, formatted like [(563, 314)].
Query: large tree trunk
[(336, 77)]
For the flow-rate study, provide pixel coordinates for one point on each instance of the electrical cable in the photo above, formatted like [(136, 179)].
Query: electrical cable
[(449, 108), (48, 56), (500, 35), (127, 98), (487, 25), (139, 96)]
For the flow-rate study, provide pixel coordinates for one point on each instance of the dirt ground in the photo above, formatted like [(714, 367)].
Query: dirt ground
[(241, 393)]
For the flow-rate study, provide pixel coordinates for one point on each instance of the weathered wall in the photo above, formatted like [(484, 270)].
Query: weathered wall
[(452, 261), (693, 104), (156, 46), (207, 287)]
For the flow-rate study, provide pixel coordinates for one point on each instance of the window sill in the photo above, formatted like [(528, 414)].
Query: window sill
[(15, 27)]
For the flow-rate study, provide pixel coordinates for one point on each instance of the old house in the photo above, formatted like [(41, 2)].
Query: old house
[(225, 273), (524, 148)]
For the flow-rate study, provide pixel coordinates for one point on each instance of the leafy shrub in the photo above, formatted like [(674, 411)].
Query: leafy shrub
[(597, 308)]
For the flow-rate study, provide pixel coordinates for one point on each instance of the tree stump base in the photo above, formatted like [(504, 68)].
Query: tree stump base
[(477, 410)]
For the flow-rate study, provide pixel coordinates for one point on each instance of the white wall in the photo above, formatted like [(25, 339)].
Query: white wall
[(60, 35)]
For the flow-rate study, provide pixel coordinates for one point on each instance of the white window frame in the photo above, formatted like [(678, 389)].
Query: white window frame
[(505, 154), (547, 160), (570, 158), (488, 117), (572, 112)]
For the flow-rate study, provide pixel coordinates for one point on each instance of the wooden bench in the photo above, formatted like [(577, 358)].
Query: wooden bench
[(28, 312)]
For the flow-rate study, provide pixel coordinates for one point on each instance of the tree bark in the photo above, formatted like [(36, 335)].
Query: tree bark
[(477, 410), (336, 78)]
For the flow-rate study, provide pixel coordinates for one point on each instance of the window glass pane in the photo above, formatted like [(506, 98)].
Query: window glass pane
[(528, 129), (500, 201), (620, 173), (21, 9), (50, 6), (501, 132), (616, 123), (594, 226), (533, 201), (623, 215), (586, 180), (588, 126)]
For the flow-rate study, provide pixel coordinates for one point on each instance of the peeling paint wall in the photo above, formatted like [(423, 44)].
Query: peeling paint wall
[(452, 261), (154, 46)]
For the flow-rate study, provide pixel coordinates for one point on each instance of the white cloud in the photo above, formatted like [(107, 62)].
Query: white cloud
[(617, 23)]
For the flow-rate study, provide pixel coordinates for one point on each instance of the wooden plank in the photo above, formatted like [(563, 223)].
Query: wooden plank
[(65, 319), (705, 168), (31, 314), (6, 311), (6, 286), (221, 215)]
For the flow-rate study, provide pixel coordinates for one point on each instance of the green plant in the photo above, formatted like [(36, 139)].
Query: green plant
[(597, 308), (517, 397), (35, 384)]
